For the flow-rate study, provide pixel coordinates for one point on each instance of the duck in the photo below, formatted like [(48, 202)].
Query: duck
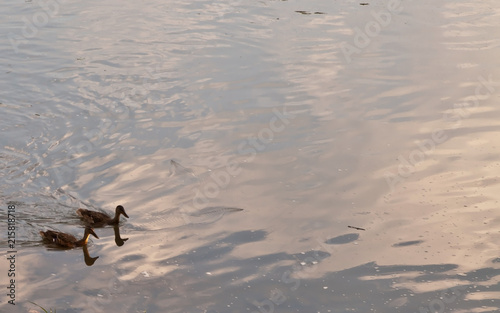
[(98, 219), (67, 240)]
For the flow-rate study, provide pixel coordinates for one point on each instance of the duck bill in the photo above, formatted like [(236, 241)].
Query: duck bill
[(125, 214), (91, 231)]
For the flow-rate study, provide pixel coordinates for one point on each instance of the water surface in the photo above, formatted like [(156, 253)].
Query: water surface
[(309, 116)]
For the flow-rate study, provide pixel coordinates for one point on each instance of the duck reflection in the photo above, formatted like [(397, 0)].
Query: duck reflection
[(86, 256), (118, 240)]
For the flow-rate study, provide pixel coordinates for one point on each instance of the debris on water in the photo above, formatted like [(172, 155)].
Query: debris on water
[(309, 13), (357, 228)]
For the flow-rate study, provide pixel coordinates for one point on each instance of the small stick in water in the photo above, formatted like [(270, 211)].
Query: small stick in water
[(358, 228)]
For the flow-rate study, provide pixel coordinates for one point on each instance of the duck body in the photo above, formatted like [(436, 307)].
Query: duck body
[(99, 219), (67, 240)]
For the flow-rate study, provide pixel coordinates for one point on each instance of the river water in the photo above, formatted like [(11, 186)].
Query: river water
[(310, 116)]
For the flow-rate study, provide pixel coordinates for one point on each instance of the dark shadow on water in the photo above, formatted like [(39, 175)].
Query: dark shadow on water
[(408, 243), (343, 239), (217, 249), (281, 282), (208, 278)]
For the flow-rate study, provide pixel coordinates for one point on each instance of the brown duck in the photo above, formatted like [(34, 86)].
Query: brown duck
[(98, 219), (67, 240)]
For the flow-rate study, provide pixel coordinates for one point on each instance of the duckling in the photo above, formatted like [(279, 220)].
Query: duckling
[(98, 219), (67, 240)]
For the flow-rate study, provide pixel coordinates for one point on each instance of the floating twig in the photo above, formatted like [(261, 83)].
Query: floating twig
[(358, 228)]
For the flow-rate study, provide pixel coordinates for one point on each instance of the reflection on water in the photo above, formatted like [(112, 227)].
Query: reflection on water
[(118, 239), (243, 138), (89, 261)]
